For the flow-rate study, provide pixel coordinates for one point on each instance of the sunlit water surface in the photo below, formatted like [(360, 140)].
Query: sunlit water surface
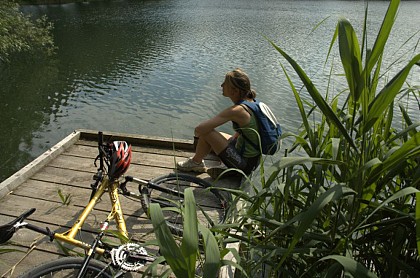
[(155, 67)]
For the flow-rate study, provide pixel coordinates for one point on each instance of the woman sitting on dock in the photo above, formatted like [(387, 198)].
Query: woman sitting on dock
[(232, 150)]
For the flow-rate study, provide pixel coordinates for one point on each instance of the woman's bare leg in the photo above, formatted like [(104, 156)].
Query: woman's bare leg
[(214, 140)]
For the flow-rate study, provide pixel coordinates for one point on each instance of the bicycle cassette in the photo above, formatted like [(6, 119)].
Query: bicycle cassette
[(124, 254)]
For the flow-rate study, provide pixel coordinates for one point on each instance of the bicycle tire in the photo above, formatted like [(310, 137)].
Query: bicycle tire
[(211, 204), (69, 267)]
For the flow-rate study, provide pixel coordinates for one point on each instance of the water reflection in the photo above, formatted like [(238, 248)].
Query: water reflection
[(155, 67), (25, 106)]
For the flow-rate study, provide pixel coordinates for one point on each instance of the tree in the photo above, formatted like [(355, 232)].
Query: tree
[(19, 34)]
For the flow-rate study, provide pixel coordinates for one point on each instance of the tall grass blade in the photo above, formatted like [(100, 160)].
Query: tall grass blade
[(316, 96), (418, 222), (289, 162), (406, 117), (151, 268), (352, 267), (9, 250), (334, 38), (235, 265), (411, 130), (301, 110), (350, 57), (387, 95), (211, 250), (168, 247), (335, 144), (365, 28), (409, 149), (383, 34), (399, 194), (189, 247), (308, 216)]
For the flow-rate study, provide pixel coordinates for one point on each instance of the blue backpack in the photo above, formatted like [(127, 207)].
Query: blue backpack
[(268, 127)]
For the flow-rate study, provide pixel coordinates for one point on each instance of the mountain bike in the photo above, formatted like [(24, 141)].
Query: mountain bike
[(166, 190)]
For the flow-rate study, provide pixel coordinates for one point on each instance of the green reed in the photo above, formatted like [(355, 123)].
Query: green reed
[(348, 207), (198, 247)]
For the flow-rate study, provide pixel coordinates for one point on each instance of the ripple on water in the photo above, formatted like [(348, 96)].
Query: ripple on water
[(155, 67)]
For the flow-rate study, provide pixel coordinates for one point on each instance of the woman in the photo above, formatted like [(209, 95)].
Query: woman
[(234, 151)]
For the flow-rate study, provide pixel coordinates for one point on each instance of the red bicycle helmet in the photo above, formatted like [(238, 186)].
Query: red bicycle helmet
[(120, 158)]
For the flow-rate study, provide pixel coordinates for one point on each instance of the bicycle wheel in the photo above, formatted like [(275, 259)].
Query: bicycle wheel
[(211, 205), (69, 267)]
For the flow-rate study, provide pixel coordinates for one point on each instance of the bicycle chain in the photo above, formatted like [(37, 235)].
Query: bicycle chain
[(119, 256)]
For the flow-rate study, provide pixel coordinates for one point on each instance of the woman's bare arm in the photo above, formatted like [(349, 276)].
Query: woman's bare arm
[(234, 113)]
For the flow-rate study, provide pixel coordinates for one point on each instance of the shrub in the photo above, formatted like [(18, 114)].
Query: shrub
[(20, 35)]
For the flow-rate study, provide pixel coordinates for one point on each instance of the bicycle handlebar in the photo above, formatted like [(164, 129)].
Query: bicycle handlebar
[(7, 230)]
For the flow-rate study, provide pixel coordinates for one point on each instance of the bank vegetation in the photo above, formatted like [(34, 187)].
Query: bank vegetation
[(22, 36)]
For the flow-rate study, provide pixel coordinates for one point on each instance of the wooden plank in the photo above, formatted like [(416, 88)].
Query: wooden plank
[(91, 146), (16, 263), (138, 140), (51, 205), (86, 164), (63, 176), (143, 156), (79, 196), (27, 238), (68, 166), (15, 180), (47, 212), (23, 174), (60, 218), (84, 177), (132, 208)]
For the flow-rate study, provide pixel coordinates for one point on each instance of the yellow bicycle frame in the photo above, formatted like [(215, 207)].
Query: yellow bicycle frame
[(116, 213)]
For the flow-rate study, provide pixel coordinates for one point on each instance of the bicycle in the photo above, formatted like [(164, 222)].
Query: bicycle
[(166, 190)]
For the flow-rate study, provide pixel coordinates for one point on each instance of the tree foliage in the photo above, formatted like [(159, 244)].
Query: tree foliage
[(19, 34)]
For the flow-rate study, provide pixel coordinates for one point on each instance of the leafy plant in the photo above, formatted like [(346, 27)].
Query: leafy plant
[(19, 34), (183, 259), (65, 198), (349, 207)]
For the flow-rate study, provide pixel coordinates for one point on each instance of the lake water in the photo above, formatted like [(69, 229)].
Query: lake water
[(155, 67)]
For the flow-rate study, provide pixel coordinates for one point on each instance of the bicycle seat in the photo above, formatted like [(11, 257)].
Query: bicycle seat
[(7, 230)]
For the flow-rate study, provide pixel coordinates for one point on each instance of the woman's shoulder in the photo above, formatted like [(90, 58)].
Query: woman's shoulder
[(237, 109), (233, 108), (238, 114)]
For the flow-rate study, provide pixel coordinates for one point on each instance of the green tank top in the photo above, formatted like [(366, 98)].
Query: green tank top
[(250, 131)]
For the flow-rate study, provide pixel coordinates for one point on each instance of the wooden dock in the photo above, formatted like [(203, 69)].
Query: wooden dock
[(68, 168)]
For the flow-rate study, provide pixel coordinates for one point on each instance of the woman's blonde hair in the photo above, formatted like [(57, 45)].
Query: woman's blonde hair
[(240, 80)]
